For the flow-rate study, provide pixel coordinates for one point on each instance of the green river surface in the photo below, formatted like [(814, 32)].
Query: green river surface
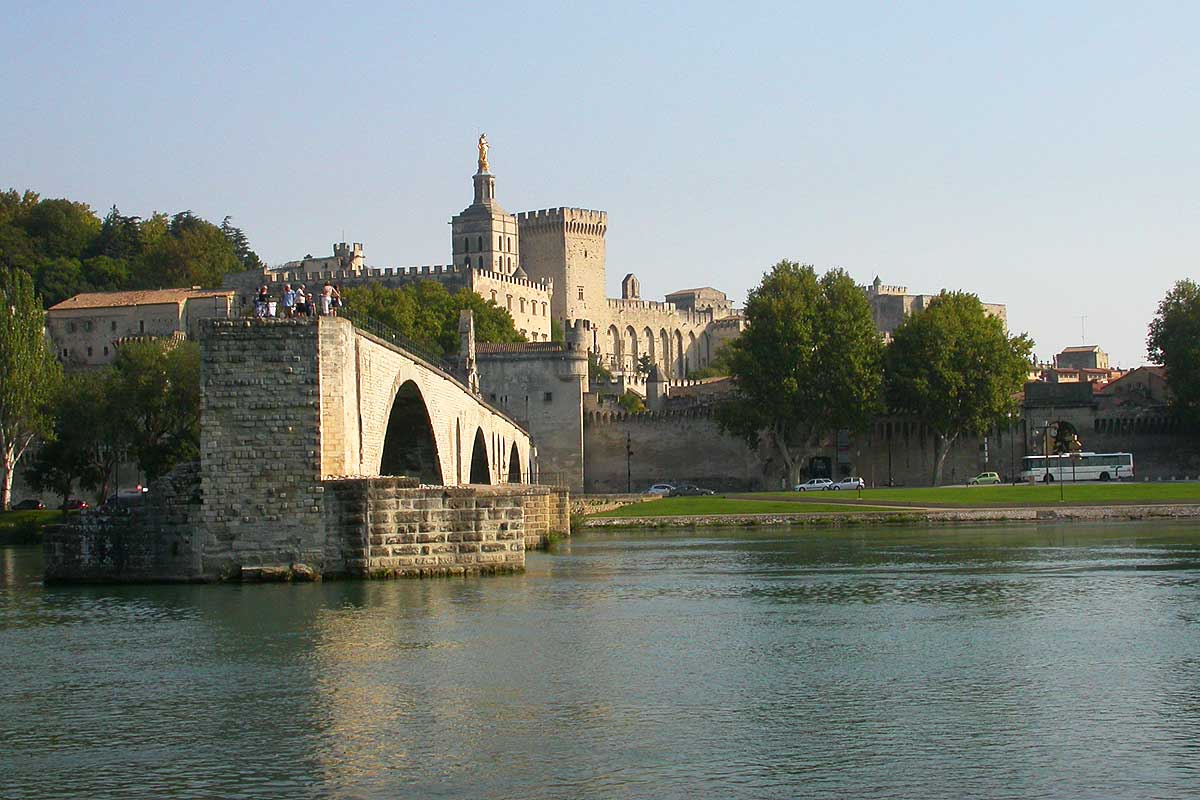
[(976, 662)]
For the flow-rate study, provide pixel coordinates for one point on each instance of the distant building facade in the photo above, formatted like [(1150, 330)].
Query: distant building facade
[(891, 304), (88, 328)]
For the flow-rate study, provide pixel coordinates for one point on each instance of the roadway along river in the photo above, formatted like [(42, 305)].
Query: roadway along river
[(1050, 662)]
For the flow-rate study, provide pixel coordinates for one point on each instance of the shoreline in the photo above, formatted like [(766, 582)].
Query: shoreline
[(942, 516)]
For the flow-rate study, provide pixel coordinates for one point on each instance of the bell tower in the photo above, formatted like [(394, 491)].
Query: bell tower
[(484, 236)]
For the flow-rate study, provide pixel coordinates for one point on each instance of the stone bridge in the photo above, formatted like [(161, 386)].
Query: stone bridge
[(386, 411), (325, 451)]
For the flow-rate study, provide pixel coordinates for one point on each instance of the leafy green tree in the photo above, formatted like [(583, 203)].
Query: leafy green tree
[(718, 366), (954, 367), (88, 437), (808, 362), (106, 274), (120, 236), (158, 386), (192, 253), (62, 228), (427, 313), (241, 245), (29, 374), (596, 370), (1174, 342), (60, 278), (631, 402), (556, 331)]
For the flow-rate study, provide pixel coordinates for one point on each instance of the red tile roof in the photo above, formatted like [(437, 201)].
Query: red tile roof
[(146, 297)]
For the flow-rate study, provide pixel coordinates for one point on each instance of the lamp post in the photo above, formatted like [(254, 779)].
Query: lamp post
[(1012, 449)]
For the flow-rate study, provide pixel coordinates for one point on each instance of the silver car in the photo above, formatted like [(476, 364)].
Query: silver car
[(813, 485)]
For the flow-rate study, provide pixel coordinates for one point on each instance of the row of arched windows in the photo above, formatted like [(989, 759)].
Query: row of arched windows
[(503, 243)]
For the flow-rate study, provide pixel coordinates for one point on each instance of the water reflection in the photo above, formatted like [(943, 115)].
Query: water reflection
[(993, 662)]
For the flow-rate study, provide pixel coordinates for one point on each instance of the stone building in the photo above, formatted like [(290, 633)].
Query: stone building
[(1083, 357), (87, 329), (891, 304)]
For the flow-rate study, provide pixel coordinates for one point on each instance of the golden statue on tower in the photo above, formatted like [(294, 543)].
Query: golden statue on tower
[(483, 148)]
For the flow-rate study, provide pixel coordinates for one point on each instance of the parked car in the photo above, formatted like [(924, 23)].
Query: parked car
[(689, 490), (661, 489), (814, 485), (74, 504), (848, 483), (29, 505), (125, 498), (982, 478)]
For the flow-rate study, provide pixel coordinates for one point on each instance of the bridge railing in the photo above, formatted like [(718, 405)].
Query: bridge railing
[(390, 334)]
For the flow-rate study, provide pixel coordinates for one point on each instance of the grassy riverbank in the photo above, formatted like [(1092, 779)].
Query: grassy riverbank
[(735, 504), (1000, 496), (25, 527)]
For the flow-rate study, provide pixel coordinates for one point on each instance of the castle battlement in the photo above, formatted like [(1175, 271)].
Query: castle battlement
[(545, 284), (881, 289), (689, 316), (574, 220)]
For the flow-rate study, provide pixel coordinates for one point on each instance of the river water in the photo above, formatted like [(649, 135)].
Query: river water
[(1050, 662)]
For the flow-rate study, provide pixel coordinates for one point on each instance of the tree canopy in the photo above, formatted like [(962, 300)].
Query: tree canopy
[(807, 363), (67, 249), (955, 368), (426, 312), (1174, 342), (29, 374)]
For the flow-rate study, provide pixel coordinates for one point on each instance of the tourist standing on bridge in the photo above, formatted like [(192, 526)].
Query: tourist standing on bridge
[(336, 302), (301, 301), (260, 303), (326, 299), (289, 300)]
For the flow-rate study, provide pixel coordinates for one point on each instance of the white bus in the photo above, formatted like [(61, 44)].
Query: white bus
[(1086, 467)]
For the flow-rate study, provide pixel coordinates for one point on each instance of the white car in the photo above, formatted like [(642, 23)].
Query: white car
[(662, 489), (848, 483), (814, 485)]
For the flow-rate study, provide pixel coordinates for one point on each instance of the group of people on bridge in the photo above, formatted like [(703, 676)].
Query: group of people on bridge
[(298, 303)]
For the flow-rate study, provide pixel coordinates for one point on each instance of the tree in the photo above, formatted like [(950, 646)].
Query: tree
[(718, 366), (157, 386), (1174, 342), (88, 438), (427, 313), (241, 245), (29, 374), (955, 368), (808, 362), (192, 253)]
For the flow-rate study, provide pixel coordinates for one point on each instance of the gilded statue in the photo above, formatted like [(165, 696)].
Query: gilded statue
[(483, 148)]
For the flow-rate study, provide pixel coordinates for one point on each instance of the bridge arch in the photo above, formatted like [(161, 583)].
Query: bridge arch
[(480, 469), (409, 444), (514, 465)]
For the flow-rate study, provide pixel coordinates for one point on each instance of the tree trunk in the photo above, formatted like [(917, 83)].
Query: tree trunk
[(941, 449), (6, 479), (789, 464)]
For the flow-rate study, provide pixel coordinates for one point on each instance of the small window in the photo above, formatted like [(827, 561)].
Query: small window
[(499, 242), (87, 326), (510, 244), (480, 262), (89, 352), (522, 305), (105, 349), (580, 292), (492, 396), (114, 325), (71, 327), (466, 244), (509, 301), (548, 397), (479, 243), (493, 295), (142, 322)]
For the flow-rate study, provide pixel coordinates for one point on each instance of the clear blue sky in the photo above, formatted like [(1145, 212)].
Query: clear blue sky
[(1042, 155)]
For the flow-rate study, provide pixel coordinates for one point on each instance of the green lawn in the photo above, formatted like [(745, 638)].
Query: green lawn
[(983, 496), (25, 527), (705, 506)]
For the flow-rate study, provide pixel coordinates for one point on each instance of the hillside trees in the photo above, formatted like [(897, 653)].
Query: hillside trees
[(808, 362), (955, 368), (29, 374), (1174, 342), (427, 313), (66, 249)]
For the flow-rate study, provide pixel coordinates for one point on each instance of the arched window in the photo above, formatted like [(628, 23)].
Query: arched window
[(481, 262), (510, 244), (479, 242), (466, 244), (467, 261), (509, 302), (499, 242), (522, 305), (493, 295)]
